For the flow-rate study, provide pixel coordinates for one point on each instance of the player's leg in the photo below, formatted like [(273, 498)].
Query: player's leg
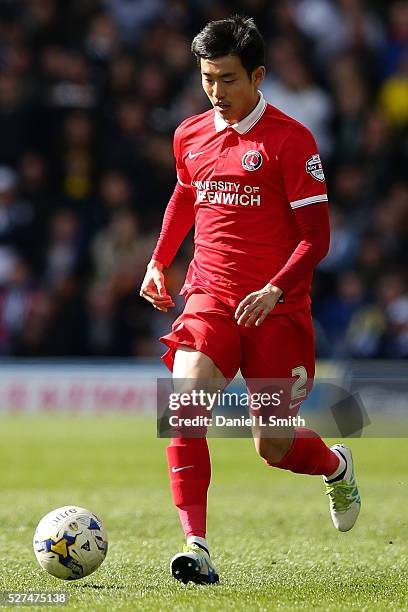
[(204, 351), (190, 470), (285, 351), (189, 457), (280, 355)]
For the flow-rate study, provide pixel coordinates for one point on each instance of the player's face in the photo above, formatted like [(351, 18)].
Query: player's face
[(231, 91)]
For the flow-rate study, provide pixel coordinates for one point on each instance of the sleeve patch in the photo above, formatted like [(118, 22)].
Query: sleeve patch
[(314, 168)]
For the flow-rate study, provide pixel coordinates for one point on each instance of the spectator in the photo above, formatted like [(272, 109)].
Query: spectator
[(15, 123), (16, 219), (15, 303), (76, 157), (336, 312), (394, 94), (102, 40), (63, 253), (100, 333), (343, 244), (397, 40), (133, 17), (125, 140), (121, 250), (292, 90), (393, 297)]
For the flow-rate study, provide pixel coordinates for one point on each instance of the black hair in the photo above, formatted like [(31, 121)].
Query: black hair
[(237, 35)]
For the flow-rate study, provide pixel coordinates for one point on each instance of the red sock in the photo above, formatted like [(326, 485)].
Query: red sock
[(189, 485), (309, 455)]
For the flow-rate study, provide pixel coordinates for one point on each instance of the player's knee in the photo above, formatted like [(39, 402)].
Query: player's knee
[(272, 450), (194, 371), (194, 366), (188, 385)]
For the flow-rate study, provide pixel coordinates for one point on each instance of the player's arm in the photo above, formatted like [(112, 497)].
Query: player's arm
[(177, 221), (306, 191), (313, 222)]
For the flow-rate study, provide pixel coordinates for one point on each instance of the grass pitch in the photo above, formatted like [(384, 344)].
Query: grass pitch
[(269, 530)]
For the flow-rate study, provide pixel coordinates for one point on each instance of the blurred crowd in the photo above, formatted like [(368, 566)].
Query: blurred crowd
[(90, 94)]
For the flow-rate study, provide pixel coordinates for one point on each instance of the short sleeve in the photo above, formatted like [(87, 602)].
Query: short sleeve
[(182, 174), (302, 169)]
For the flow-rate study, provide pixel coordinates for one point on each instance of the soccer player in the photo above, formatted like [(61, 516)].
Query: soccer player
[(250, 178)]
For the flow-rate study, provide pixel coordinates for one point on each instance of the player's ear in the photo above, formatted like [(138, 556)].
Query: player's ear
[(258, 75)]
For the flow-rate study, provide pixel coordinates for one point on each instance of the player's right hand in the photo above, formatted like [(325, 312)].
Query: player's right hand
[(153, 288)]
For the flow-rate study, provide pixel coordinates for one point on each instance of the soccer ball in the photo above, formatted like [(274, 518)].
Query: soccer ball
[(70, 542)]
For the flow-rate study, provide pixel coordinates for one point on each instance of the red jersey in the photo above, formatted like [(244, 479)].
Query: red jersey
[(242, 185)]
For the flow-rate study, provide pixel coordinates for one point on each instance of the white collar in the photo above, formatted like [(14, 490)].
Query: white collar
[(246, 123)]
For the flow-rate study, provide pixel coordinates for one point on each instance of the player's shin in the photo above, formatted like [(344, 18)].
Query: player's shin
[(190, 473)]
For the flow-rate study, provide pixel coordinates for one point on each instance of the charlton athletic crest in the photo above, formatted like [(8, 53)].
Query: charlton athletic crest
[(252, 160), (315, 168)]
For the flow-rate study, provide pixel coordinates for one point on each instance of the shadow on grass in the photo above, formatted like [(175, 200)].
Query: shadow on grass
[(104, 587)]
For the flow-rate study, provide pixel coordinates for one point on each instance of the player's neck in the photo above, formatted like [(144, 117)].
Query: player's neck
[(247, 111)]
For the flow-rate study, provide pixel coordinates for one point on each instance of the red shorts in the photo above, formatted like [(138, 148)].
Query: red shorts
[(283, 347)]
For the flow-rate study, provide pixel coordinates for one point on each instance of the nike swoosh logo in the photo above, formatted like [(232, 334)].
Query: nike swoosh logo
[(294, 404), (193, 155), (185, 467)]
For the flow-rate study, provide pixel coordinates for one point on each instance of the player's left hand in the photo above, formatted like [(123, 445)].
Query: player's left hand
[(257, 305)]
